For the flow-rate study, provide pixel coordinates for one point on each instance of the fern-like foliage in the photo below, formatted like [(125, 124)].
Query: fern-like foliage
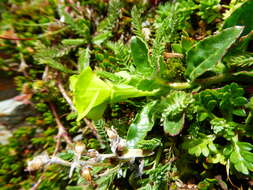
[(136, 22), (50, 56), (52, 52), (151, 144), (105, 180), (240, 61), (171, 19), (99, 125), (121, 52), (79, 25), (164, 33), (113, 14), (104, 29)]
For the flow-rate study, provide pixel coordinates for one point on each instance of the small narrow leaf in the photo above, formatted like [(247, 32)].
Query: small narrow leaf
[(73, 42), (208, 52), (141, 125), (56, 65), (84, 59), (101, 37)]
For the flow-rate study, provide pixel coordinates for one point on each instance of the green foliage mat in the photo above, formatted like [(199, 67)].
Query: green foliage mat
[(129, 94)]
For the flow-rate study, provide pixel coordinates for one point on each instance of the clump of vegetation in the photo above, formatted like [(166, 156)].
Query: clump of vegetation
[(129, 94)]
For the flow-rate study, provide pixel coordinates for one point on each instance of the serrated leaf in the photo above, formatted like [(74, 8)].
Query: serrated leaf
[(139, 52), (241, 157), (141, 125), (198, 146), (241, 16), (208, 52), (173, 127), (56, 65), (175, 103)]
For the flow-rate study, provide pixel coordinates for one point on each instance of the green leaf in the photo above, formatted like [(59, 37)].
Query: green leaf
[(89, 92), (173, 127), (175, 104), (208, 52), (101, 37), (149, 144), (172, 108), (241, 16), (142, 124), (77, 188), (73, 42), (139, 51), (240, 101), (56, 65), (84, 58), (241, 157), (203, 145), (122, 92), (239, 112)]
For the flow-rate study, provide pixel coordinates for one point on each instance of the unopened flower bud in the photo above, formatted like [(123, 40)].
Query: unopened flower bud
[(79, 148), (92, 153), (37, 162), (86, 174)]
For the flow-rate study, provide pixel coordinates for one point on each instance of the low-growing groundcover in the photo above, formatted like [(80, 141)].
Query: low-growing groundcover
[(130, 94)]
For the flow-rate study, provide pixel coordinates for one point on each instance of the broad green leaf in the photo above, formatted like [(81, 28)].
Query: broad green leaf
[(97, 112), (72, 80), (91, 94), (174, 126), (139, 51), (208, 52), (142, 124), (241, 16), (90, 91)]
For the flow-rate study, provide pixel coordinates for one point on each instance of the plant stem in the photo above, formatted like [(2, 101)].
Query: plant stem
[(62, 132), (203, 82), (214, 80)]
